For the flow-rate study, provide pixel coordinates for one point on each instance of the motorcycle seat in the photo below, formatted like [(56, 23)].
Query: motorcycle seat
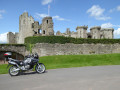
[(17, 61)]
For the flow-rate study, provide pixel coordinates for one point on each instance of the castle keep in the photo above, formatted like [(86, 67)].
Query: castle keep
[(29, 27)]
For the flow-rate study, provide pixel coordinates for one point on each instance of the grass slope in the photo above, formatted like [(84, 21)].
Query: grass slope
[(68, 61)]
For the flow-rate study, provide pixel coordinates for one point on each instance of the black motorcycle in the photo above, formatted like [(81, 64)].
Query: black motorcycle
[(25, 65)]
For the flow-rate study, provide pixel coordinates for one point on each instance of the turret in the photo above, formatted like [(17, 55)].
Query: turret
[(47, 26), (95, 32), (82, 31), (107, 33)]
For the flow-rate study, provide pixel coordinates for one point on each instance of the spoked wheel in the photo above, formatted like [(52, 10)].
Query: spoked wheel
[(40, 68), (13, 71)]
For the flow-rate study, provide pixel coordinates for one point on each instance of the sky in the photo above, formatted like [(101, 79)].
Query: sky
[(65, 14)]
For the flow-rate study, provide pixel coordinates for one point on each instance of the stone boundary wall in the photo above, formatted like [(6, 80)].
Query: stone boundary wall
[(45, 49), (18, 49)]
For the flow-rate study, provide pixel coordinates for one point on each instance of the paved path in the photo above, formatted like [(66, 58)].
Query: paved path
[(83, 78)]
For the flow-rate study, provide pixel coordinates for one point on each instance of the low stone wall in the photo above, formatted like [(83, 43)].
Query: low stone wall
[(45, 49), (18, 49)]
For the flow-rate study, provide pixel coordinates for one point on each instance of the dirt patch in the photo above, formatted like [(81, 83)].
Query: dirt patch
[(2, 62)]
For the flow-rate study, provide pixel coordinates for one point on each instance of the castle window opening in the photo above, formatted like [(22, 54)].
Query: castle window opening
[(39, 31), (47, 21), (43, 31)]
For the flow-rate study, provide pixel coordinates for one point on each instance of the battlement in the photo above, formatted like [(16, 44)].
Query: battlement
[(45, 18), (25, 14), (107, 29), (79, 27), (95, 27)]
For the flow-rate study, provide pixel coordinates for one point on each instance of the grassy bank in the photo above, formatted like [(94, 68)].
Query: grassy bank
[(68, 61)]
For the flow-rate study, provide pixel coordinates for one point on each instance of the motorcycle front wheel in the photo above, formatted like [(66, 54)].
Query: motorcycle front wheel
[(40, 68), (13, 71)]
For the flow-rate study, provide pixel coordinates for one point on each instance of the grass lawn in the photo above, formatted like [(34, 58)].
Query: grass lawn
[(68, 61)]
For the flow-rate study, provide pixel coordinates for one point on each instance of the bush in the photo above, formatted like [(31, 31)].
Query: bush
[(63, 40)]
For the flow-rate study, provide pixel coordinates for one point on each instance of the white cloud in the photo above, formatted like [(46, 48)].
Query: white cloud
[(103, 18), (117, 33), (115, 9), (3, 38), (112, 10), (2, 11), (97, 12), (40, 16), (58, 18), (1, 16), (44, 2), (107, 25), (118, 8)]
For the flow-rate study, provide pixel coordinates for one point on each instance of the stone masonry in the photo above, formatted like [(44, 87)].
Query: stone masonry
[(45, 49), (29, 27)]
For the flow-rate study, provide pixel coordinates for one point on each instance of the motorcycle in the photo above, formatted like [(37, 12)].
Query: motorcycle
[(27, 64)]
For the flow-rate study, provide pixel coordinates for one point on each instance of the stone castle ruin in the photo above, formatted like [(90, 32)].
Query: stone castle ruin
[(29, 27)]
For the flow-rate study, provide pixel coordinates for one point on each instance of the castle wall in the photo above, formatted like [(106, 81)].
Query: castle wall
[(74, 34), (95, 31), (47, 26), (107, 33), (25, 27), (11, 38), (44, 49), (82, 32)]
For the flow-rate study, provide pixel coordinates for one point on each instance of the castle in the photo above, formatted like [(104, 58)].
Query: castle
[(29, 27)]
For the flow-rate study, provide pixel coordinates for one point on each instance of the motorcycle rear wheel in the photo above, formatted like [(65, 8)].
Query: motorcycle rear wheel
[(12, 71), (40, 68)]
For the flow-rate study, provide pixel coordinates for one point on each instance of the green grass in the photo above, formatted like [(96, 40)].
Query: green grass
[(3, 69), (68, 61)]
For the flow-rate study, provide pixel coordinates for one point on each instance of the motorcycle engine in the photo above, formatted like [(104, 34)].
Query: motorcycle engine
[(27, 66)]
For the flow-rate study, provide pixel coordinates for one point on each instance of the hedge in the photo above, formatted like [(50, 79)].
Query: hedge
[(63, 40)]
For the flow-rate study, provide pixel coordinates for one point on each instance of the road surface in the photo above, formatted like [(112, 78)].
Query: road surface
[(83, 78)]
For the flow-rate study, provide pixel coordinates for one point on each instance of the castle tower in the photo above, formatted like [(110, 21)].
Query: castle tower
[(107, 33), (68, 32), (95, 32), (82, 31), (25, 27), (11, 38), (58, 33), (47, 26)]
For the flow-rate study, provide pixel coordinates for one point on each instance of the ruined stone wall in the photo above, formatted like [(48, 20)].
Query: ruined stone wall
[(44, 49), (95, 32), (25, 27), (47, 26), (82, 32), (18, 49), (11, 38), (107, 33)]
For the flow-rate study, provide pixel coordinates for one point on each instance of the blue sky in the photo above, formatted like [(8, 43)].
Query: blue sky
[(65, 13)]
